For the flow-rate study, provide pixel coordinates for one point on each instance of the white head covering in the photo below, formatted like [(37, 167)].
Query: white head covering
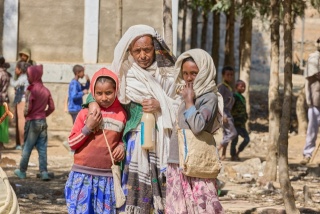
[(204, 81)]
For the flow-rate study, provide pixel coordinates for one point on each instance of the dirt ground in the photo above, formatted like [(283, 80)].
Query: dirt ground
[(36, 196)]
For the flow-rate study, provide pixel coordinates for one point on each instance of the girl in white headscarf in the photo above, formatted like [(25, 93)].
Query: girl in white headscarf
[(200, 110)]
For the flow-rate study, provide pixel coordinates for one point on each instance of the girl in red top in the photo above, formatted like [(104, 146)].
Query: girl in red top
[(89, 188)]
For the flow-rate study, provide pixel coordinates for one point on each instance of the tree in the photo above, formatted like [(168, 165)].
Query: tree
[(215, 38), (184, 6), (194, 26), (167, 22), (229, 41), (270, 171), (286, 188), (248, 13)]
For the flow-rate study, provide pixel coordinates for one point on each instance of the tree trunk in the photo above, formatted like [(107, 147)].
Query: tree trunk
[(270, 170), (204, 29), (119, 20), (286, 188), (216, 39), (194, 28), (302, 112), (184, 21), (167, 22), (245, 60), (229, 41)]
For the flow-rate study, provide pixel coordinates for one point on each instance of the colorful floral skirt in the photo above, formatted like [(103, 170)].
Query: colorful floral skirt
[(89, 194), (187, 195)]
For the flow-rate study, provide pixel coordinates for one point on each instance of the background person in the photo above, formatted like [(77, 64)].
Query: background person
[(20, 84), (4, 84), (240, 117), (39, 105), (312, 88), (225, 89)]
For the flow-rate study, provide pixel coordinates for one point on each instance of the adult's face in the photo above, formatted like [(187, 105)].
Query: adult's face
[(142, 51)]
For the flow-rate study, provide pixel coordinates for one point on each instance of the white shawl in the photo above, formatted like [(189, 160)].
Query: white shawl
[(204, 81)]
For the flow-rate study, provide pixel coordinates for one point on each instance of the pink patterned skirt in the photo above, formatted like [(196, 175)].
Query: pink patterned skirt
[(188, 195)]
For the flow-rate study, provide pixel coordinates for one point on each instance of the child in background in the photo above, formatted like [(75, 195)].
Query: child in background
[(4, 84), (229, 131), (76, 91), (39, 105), (20, 84), (240, 118), (89, 188), (25, 55)]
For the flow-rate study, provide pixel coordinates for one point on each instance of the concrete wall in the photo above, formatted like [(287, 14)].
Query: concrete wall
[(53, 30), (1, 23)]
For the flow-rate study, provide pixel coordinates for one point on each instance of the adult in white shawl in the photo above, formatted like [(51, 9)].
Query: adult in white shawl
[(145, 67), (200, 111)]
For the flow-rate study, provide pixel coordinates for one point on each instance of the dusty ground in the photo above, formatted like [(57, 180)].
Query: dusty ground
[(238, 196)]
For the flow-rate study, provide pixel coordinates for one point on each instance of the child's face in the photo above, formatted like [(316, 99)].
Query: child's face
[(189, 71), (23, 57), (81, 74), (17, 71), (104, 94), (228, 76), (241, 87)]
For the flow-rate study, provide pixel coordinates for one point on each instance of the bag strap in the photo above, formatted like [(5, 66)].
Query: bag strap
[(104, 135)]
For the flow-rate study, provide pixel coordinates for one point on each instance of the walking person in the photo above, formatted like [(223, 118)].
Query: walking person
[(25, 55), (90, 185), (39, 105), (145, 67), (312, 88), (225, 89), (201, 112), (240, 117), (20, 84)]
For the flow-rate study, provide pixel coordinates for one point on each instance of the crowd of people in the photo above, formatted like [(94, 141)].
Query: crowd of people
[(145, 76)]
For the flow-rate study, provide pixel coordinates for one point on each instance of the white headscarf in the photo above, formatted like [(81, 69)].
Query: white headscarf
[(204, 81)]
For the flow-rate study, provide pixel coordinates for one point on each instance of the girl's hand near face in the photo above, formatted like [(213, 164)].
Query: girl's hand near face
[(150, 105), (118, 153), (93, 120), (188, 95)]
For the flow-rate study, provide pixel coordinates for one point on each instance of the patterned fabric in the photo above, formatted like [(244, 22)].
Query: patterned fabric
[(164, 56), (144, 192), (239, 112), (187, 195), (89, 194)]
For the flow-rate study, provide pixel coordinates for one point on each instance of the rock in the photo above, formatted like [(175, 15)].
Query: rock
[(230, 172), (7, 162), (252, 166), (31, 196), (61, 201)]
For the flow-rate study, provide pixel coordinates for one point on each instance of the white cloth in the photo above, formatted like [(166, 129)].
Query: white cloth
[(313, 64), (204, 81)]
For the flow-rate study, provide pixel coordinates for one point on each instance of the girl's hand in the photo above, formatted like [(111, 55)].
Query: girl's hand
[(118, 153), (188, 95), (93, 120), (150, 105)]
